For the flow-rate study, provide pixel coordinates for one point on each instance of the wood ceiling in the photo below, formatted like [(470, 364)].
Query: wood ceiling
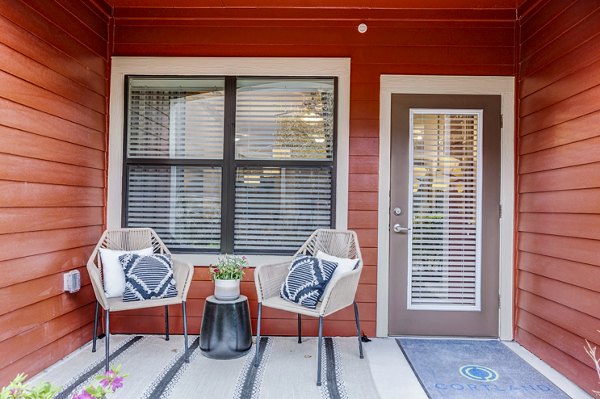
[(309, 11), (337, 4)]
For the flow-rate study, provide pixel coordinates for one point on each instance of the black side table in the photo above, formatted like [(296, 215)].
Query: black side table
[(226, 332)]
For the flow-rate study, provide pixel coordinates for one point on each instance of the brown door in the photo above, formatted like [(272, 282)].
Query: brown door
[(444, 211)]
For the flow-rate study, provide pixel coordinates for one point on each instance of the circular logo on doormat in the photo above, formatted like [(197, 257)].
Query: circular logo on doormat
[(478, 373)]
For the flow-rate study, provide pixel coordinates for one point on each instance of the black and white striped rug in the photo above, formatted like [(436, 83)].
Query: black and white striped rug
[(156, 369)]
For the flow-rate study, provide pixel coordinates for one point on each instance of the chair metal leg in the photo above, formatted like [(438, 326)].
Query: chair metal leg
[(258, 335), (166, 322), (299, 328), (107, 339), (357, 318), (320, 343), (185, 335), (95, 327)]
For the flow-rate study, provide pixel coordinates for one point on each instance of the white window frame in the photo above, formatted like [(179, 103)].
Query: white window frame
[(503, 86), (217, 66)]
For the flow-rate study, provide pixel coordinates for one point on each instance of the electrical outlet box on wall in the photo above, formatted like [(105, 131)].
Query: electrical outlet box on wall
[(72, 281)]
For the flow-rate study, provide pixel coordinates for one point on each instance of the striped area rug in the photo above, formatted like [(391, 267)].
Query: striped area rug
[(156, 369)]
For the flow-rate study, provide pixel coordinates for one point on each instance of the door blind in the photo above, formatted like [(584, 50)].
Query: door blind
[(444, 245)]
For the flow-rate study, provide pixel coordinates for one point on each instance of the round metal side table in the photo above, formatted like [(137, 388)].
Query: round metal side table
[(226, 332)]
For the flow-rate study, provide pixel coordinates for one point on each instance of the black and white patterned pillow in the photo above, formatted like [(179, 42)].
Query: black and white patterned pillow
[(307, 279), (148, 277)]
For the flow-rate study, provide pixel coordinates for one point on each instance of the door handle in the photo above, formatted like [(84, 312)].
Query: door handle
[(400, 229)]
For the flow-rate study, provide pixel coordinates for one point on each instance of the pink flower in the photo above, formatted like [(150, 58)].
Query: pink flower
[(116, 383), (112, 380), (83, 395), (109, 376)]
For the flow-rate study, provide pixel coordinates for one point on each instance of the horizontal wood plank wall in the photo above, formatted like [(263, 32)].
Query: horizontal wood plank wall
[(53, 102), (408, 41), (559, 184)]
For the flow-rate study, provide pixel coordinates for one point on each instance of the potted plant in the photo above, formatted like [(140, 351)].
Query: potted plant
[(227, 274)]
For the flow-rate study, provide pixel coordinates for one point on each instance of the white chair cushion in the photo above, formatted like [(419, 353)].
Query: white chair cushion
[(345, 265), (112, 271)]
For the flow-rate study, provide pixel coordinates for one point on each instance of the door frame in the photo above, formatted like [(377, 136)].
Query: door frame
[(429, 84)]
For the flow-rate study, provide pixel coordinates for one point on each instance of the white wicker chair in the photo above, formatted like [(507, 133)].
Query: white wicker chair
[(338, 294), (131, 240)]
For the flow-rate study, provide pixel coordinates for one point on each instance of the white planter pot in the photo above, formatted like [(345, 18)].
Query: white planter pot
[(227, 290)]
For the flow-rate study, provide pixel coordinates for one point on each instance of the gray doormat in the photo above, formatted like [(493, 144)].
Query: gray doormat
[(469, 369)]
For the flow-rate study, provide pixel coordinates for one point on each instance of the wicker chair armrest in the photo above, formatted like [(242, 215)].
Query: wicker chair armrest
[(183, 273), (340, 292), (96, 280), (268, 279)]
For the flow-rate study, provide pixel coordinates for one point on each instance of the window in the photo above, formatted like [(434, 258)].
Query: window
[(231, 164), (444, 248)]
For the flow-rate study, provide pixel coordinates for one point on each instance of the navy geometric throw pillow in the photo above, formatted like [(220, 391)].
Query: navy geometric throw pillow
[(148, 277), (306, 280)]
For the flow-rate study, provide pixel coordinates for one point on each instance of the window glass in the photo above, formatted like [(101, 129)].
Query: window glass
[(175, 118), (284, 119), (444, 244), (242, 165), (181, 203), (276, 209)]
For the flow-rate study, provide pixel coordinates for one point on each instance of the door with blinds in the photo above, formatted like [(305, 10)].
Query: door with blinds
[(444, 215)]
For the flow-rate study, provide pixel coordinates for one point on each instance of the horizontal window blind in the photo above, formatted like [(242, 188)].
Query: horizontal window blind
[(182, 203), (276, 209), (444, 245), (251, 156), (175, 118), (284, 119)]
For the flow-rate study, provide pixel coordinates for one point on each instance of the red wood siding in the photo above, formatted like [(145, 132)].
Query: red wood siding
[(433, 40), (53, 102), (558, 276)]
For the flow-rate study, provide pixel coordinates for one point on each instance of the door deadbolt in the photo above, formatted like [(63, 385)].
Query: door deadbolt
[(397, 211), (400, 229)]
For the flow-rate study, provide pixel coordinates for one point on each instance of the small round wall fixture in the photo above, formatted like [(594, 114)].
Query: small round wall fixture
[(362, 28)]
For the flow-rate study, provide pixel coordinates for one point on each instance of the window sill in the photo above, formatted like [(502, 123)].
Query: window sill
[(253, 260)]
